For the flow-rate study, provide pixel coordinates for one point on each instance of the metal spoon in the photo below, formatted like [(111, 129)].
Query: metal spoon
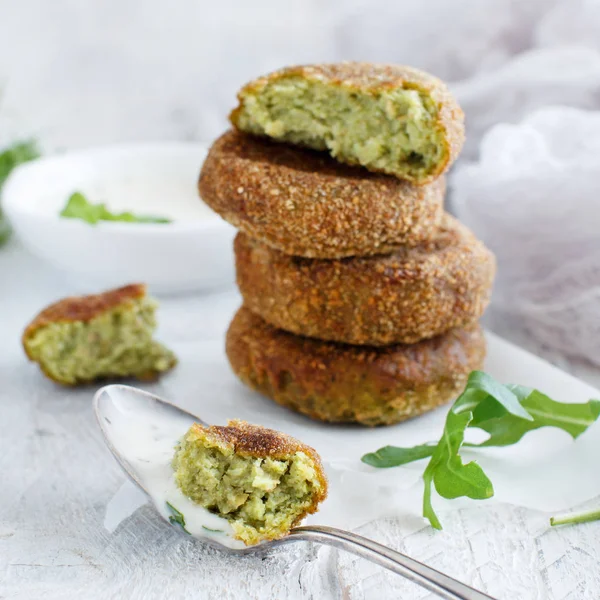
[(123, 403)]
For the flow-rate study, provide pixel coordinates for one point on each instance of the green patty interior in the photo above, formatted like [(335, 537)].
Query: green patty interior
[(116, 343), (260, 497), (394, 131)]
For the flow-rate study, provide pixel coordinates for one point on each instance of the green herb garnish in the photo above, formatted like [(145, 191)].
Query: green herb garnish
[(9, 159), (212, 530), (15, 155), (177, 518), (506, 413), (78, 207)]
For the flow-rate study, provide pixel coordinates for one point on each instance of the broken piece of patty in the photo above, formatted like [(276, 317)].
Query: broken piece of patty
[(404, 297), (262, 481), (83, 338), (340, 383), (388, 118), (305, 203)]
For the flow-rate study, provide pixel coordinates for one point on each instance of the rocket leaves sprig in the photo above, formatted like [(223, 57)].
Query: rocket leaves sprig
[(506, 413)]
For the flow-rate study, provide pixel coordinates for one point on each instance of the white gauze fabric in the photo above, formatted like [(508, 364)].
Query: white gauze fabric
[(534, 197)]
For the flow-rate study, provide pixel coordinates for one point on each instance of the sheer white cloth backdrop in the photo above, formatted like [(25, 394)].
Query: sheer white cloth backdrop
[(534, 197)]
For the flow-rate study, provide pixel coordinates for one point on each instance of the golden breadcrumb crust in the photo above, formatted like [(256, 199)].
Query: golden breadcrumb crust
[(409, 295), (305, 203), (83, 308), (352, 384)]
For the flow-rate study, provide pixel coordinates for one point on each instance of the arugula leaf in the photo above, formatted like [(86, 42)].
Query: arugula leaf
[(452, 478), (479, 395), (9, 159), (446, 470), (506, 413), (392, 456), (505, 429), (78, 207), (177, 518), (481, 388)]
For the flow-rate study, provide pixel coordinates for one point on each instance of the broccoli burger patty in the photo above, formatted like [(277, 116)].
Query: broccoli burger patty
[(305, 203), (404, 297), (352, 384)]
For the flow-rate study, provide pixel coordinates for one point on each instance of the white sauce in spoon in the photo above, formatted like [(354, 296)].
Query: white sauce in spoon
[(147, 442)]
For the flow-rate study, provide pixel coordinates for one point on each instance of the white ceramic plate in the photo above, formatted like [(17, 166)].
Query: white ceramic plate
[(193, 252), (545, 471)]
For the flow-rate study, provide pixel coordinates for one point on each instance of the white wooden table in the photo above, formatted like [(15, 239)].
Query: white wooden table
[(56, 478)]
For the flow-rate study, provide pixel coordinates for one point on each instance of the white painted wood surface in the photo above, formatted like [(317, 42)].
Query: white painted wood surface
[(56, 478)]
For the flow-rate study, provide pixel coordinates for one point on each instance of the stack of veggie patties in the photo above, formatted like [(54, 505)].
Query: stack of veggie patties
[(361, 296)]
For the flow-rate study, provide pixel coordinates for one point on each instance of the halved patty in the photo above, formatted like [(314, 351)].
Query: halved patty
[(307, 204), (352, 384), (409, 295), (110, 335), (388, 118)]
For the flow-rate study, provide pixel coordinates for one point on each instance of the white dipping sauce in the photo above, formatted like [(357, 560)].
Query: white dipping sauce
[(147, 442), (159, 196), (148, 179)]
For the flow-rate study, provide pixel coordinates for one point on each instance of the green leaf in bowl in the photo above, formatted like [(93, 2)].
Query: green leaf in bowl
[(78, 207)]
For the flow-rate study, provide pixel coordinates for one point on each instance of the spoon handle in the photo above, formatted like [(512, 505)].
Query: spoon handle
[(429, 578)]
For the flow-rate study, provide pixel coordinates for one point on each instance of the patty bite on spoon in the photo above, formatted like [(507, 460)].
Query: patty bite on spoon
[(261, 481)]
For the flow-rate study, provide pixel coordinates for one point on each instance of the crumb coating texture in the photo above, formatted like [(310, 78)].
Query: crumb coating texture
[(352, 384), (404, 297), (305, 203)]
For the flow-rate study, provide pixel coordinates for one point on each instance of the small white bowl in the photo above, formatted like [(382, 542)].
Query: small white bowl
[(193, 252)]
